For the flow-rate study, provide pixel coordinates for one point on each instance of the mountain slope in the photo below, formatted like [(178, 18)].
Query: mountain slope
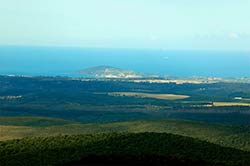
[(162, 148), (224, 135)]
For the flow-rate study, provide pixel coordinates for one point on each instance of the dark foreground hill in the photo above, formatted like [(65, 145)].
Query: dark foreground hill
[(118, 149), (234, 136)]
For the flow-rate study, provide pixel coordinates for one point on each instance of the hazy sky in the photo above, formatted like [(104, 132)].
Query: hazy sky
[(164, 24)]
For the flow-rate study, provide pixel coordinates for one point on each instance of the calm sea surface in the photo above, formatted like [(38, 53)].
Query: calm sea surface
[(66, 61)]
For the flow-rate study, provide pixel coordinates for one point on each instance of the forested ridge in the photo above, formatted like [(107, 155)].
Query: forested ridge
[(163, 149)]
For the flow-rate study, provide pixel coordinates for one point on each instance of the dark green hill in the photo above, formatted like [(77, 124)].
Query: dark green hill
[(161, 148), (235, 136)]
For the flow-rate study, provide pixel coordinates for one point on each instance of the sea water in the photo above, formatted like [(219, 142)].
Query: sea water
[(66, 61)]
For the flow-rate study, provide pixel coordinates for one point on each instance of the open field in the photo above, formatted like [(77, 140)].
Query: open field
[(226, 135), (230, 104), (149, 95)]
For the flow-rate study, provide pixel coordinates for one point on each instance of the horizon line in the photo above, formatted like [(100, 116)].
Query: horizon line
[(128, 48)]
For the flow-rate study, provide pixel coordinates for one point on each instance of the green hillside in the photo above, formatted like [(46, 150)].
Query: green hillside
[(225, 135), (165, 147), (32, 121)]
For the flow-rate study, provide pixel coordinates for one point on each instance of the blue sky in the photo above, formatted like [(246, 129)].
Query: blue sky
[(161, 24)]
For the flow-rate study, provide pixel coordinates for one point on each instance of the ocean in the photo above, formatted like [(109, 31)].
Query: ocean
[(66, 61)]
